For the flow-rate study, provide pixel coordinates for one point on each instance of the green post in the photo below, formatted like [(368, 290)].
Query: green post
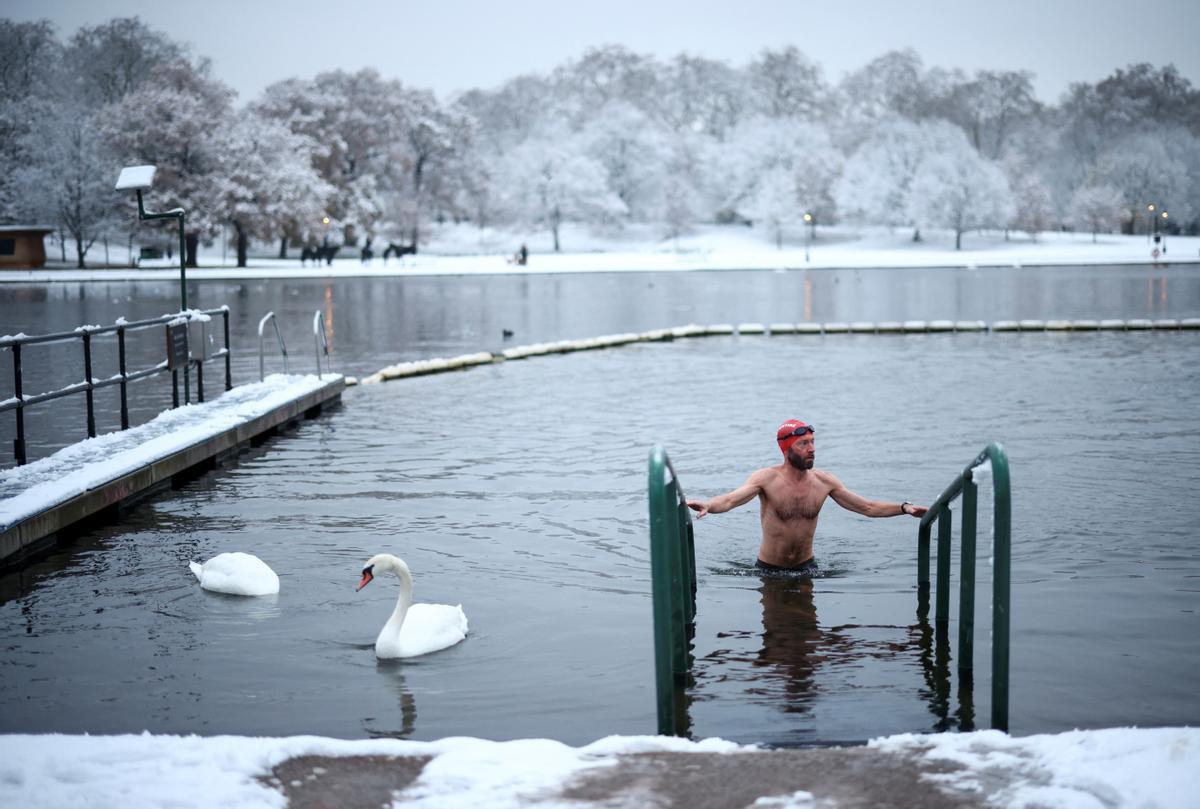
[(673, 580), (966, 591), (1002, 554), (942, 611), (923, 570), (939, 510)]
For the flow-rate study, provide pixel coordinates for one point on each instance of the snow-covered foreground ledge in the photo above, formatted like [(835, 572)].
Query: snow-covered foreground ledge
[(1101, 768), (33, 488)]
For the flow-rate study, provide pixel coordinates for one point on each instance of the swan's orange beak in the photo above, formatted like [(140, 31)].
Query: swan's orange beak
[(366, 579)]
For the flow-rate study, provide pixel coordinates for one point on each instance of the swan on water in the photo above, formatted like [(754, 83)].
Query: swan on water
[(413, 629), (239, 574)]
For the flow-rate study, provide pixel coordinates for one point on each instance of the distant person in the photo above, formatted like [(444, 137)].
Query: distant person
[(520, 257), (790, 498), (367, 252)]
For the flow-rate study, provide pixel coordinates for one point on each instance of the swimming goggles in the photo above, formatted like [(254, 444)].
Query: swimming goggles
[(802, 430)]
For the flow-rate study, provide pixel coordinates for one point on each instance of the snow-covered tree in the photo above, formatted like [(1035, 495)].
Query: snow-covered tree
[(507, 116), (431, 139), (602, 75), (787, 84), (678, 212), (267, 188), (1033, 210), (30, 57), (354, 119), (703, 97), (957, 189), (68, 178), (759, 146), (1145, 172), (876, 185), (1097, 208), (175, 120), (774, 202), (111, 60), (989, 106), (634, 152), (546, 183)]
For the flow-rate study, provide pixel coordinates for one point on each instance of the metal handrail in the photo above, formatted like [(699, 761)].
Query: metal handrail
[(270, 316), (90, 384), (673, 581), (321, 340), (966, 485)]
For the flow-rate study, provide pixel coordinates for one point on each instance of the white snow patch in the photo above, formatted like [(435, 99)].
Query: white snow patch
[(1077, 770)]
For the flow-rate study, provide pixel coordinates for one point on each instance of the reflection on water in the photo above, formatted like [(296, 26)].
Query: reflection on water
[(405, 709), (799, 661)]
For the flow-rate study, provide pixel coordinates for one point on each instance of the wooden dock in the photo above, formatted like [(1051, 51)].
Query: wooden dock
[(104, 502)]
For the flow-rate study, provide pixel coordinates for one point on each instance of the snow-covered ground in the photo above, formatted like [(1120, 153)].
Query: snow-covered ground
[(30, 489), (467, 250), (1079, 769)]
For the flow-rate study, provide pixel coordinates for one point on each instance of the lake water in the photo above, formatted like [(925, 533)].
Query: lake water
[(378, 321), (519, 490)]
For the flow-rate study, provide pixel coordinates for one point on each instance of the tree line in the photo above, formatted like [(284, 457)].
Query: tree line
[(609, 139)]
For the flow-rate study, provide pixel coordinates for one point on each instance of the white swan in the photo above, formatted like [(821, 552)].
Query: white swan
[(239, 574), (413, 629)]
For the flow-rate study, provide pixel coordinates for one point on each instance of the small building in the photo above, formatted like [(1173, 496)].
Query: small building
[(22, 246)]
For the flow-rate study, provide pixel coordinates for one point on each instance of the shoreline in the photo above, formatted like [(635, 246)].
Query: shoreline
[(566, 264)]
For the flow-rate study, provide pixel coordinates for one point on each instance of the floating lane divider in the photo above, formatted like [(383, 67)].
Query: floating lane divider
[(439, 365)]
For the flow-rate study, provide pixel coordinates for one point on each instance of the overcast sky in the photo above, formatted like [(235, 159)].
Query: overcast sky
[(452, 45)]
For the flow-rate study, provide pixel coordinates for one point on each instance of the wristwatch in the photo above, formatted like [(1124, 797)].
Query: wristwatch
[(904, 507)]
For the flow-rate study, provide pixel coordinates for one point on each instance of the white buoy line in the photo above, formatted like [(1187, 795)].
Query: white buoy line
[(439, 365)]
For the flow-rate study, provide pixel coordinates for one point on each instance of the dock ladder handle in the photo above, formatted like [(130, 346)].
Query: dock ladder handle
[(673, 581), (262, 324), (322, 342), (1002, 563)]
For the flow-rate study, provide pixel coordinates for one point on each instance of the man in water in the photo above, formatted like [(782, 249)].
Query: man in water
[(790, 497)]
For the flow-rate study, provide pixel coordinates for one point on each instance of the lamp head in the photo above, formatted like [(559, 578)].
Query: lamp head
[(136, 178)]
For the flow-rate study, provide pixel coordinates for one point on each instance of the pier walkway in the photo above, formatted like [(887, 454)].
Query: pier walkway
[(94, 479)]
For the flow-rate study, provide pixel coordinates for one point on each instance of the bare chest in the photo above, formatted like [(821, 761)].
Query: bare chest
[(790, 502)]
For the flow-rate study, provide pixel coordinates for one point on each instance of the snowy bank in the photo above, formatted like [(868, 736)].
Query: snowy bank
[(462, 250)]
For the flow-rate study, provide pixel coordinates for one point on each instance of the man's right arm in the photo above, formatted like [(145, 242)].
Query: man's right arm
[(730, 500)]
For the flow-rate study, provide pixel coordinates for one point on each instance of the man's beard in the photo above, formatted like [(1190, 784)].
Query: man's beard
[(799, 462)]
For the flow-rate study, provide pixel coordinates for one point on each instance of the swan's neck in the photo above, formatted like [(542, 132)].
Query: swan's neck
[(403, 602)]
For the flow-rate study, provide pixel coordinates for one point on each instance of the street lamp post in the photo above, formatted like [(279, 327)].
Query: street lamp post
[(808, 218), (139, 179), (1150, 222), (1164, 232)]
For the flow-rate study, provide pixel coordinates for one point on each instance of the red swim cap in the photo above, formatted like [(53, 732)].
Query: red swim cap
[(789, 433)]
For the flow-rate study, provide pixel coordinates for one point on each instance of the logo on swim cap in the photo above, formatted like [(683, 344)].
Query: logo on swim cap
[(789, 433)]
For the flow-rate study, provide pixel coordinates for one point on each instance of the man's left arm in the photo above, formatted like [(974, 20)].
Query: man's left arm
[(870, 508)]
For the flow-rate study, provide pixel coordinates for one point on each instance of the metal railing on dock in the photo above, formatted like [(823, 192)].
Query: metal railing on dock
[(673, 574), (269, 317), (178, 358), (965, 484), (322, 342)]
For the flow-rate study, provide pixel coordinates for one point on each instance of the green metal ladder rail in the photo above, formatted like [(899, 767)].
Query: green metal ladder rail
[(1002, 562), (673, 579)]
